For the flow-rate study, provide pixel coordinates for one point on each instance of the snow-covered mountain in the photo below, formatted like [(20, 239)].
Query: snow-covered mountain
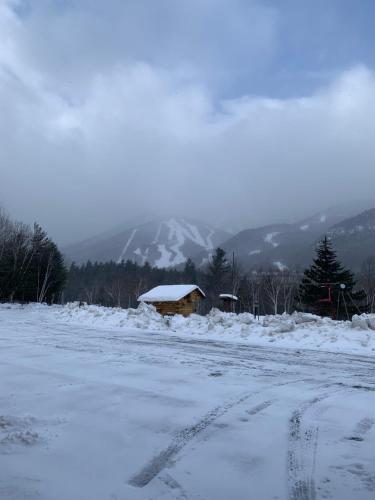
[(289, 245), (169, 241), (354, 238), (362, 224), (279, 245), (166, 242)]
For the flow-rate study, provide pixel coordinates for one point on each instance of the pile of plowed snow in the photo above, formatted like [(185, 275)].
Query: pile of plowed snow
[(288, 330)]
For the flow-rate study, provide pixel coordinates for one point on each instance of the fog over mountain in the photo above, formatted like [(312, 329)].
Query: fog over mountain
[(240, 113), (169, 241)]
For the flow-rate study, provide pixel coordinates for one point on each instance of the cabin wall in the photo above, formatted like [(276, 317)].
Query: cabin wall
[(185, 306)]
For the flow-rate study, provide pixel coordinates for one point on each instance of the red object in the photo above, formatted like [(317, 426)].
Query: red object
[(329, 299)]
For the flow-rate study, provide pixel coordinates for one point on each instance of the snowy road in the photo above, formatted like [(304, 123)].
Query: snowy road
[(90, 414)]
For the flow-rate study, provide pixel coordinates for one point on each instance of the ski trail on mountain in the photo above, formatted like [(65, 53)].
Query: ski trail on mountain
[(126, 246)]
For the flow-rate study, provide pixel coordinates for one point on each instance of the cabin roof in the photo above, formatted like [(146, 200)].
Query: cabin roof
[(228, 296), (168, 293)]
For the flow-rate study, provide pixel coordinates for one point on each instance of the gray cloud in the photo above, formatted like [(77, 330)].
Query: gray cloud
[(102, 123)]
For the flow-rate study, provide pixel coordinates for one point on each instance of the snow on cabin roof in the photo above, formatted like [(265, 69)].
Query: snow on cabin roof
[(228, 296), (168, 293)]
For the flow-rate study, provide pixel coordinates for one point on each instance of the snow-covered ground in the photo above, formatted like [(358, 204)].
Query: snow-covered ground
[(100, 404)]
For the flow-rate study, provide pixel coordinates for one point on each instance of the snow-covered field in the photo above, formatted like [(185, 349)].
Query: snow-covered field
[(100, 404)]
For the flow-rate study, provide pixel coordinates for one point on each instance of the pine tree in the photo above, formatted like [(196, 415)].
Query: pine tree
[(47, 273), (327, 288), (190, 272), (58, 276), (217, 275)]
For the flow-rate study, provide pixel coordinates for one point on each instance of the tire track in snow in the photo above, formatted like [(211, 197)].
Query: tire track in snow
[(302, 449), (175, 486), (259, 408), (182, 438)]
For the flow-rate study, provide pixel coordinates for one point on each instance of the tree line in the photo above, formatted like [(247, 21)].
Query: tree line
[(120, 284), (260, 291), (31, 266), (32, 270)]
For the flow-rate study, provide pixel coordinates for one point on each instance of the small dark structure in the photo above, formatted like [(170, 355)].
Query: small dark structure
[(228, 302), (174, 299)]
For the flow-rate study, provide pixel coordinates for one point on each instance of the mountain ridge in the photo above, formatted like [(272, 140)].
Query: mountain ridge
[(163, 242), (170, 241)]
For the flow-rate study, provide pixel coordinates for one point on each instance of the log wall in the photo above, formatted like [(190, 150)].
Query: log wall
[(185, 306)]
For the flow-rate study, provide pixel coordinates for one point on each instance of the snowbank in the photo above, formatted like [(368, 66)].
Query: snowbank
[(364, 322), (296, 330)]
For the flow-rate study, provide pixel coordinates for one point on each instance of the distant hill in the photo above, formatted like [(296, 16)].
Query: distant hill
[(162, 243), (281, 245), (354, 238), (169, 241), (292, 245)]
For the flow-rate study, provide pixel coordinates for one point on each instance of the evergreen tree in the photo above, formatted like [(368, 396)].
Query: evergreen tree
[(327, 288), (217, 276), (15, 261), (31, 266), (190, 272), (46, 275), (58, 275)]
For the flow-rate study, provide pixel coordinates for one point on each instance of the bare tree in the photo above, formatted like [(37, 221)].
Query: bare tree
[(139, 288), (273, 285), (90, 294), (250, 292), (114, 291), (367, 281), (290, 283)]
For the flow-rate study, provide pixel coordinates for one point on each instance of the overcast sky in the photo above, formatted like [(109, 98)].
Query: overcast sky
[(255, 111)]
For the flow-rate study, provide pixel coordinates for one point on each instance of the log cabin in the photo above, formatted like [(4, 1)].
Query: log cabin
[(174, 299)]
